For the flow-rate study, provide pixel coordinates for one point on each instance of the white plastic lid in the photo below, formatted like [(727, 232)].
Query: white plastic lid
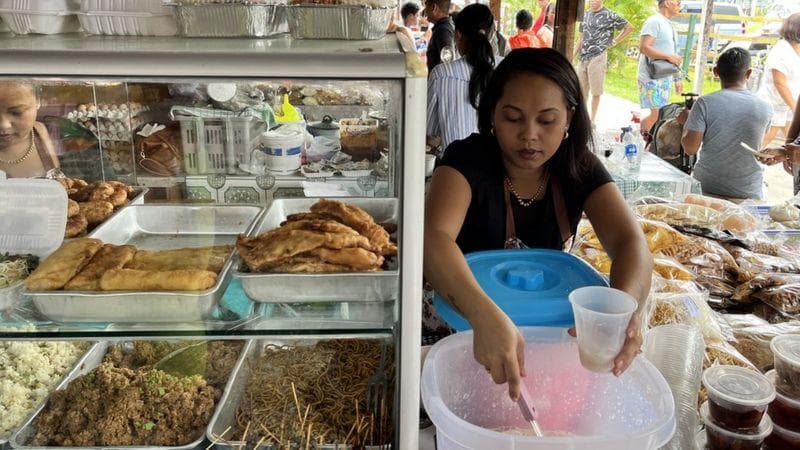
[(772, 376), (33, 217), (738, 385), (787, 348), (764, 428)]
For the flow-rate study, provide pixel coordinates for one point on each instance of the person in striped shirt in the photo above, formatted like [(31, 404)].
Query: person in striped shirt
[(454, 87)]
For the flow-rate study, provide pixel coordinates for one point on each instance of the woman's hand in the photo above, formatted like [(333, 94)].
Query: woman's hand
[(630, 348), (499, 347), (772, 156)]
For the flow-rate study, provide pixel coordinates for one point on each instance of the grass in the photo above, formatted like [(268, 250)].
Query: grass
[(621, 82)]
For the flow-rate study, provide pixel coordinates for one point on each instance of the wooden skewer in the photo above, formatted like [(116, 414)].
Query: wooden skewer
[(218, 438), (296, 403), (260, 441), (303, 422), (308, 436), (244, 436), (270, 434)]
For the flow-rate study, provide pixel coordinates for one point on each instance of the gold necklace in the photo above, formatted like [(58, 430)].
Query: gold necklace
[(31, 148), (527, 202)]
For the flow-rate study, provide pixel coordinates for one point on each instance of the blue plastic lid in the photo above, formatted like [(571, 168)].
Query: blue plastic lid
[(531, 285)]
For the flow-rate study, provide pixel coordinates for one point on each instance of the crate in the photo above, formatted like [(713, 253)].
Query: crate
[(218, 144)]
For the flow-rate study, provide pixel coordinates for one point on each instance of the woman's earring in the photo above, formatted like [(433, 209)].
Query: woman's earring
[(566, 133)]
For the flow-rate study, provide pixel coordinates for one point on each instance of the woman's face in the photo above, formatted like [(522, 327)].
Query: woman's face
[(17, 112), (530, 120)]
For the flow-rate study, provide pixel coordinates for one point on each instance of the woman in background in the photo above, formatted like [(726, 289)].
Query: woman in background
[(25, 146), (545, 34), (781, 85), (454, 87)]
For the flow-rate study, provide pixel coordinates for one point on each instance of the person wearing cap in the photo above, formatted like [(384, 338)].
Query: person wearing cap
[(658, 42), (25, 147)]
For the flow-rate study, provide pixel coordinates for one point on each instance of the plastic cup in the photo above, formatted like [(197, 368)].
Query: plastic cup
[(602, 315), (430, 163), (781, 439), (719, 438), (737, 397), (784, 411), (786, 349)]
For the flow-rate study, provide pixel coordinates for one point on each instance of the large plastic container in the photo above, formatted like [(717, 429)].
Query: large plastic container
[(125, 17), (39, 207), (531, 286), (40, 16), (576, 409)]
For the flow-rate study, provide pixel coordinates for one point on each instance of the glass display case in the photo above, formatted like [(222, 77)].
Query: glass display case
[(232, 226)]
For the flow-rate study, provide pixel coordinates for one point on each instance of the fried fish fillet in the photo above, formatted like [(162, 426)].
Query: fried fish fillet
[(308, 216), (76, 226), (191, 258), (151, 280), (355, 258), (57, 269), (359, 220), (107, 258), (309, 266), (280, 245), (327, 226), (96, 211)]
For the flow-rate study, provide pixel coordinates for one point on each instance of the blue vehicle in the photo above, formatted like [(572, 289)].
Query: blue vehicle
[(721, 26)]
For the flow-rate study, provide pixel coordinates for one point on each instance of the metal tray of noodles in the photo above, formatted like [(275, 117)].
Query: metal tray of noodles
[(350, 22), (90, 361), (5, 440), (223, 424), (321, 287), (229, 20), (155, 227)]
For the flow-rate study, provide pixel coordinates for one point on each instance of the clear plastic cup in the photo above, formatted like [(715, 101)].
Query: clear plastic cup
[(784, 411), (786, 349), (737, 397), (602, 315), (718, 438), (782, 439)]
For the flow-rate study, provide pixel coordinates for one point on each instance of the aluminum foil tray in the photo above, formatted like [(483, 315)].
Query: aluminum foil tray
[(155, 227), (230, 20), (338, 22), (93, 359), (321, 287), (5, 443)]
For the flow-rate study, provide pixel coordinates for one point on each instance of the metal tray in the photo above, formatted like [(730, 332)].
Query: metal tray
[(230, 20), (91, 360), (225, 415), (5, 443), (338, 22), (325, 287), (154, 227)]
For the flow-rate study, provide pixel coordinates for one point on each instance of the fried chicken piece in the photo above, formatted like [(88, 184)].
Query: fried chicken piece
[(58, 268), (119, 197), (95, 191), (66, 182), (76, 226), (119, 184), (72, 208), (77, 183), (192, 258), (359, 220), (96, 211), (151, 280), (107, 258)]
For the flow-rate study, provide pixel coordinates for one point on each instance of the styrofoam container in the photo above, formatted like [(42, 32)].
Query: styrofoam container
[(40, 16), (34, 214), (575, 408), (127, 18)]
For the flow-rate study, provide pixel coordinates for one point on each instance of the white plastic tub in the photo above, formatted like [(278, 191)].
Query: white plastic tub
[(40, 16), (128, 18), (577, 409)]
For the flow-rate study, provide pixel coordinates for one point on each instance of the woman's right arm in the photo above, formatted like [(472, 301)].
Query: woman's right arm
[(498, 345)]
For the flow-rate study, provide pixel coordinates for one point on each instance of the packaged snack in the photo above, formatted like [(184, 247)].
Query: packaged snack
[(734, 218), (686, 308), (671, 269), (752, 264), (785, 298), (681, 214)]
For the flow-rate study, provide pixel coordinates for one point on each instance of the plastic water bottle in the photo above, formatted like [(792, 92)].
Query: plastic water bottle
[(633, 154)]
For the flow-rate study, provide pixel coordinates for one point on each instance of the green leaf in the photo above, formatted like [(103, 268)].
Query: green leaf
[(149, 426)]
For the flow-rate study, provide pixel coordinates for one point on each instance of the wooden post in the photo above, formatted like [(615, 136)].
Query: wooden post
[(495, 6), (567, 13), (702, 48)]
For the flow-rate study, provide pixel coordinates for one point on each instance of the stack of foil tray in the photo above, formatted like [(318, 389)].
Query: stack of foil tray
[(338, 22), (229, 20)]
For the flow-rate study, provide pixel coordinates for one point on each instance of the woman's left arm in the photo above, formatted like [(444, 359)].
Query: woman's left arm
[(631, 261)]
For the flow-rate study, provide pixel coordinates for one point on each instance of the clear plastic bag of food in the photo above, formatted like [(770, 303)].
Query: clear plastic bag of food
[(596, 258), (660, 235), (733, 217), (785, 298), (670, 269), (738, 321), (681, 214), (689, 309), (662, 285), (753, 342), (716, 286), (759, 242), (752, 264), (744, 291), (725, 354)]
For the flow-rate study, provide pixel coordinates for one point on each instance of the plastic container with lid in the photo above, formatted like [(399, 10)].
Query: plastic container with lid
[(786, 349), (34, 214), (782, 439), (784, 411), (576, 408), (737, 397), (282, 149), (719, 438), (40, 16), (530, 285), (129, 18)]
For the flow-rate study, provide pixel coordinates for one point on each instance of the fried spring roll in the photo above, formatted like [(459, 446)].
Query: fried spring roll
[(193, 258), (107, 258), (57, 269), (150, 280)]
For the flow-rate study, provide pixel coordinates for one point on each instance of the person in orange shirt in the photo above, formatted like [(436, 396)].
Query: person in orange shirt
[(525, 37)]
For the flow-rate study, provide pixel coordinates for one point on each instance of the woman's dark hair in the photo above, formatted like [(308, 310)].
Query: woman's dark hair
[(573, 155), (790, 30), (409, 9), (475, 23), (524, 19)]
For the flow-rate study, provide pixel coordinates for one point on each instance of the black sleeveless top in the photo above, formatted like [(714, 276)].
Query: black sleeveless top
[(478, 159)]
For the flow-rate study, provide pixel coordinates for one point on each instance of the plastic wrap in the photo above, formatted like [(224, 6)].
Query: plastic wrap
[(760, 243), (785, 299), (738, 321), (752, 264), (717, 287), (662, 285), (688, 309), (681, 214), (762, 281), (704, 257), (753, 342), (733, 217), (671, 269), (338, 22)]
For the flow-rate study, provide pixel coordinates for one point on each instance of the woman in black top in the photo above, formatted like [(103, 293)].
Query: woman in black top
[(525, 180)]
